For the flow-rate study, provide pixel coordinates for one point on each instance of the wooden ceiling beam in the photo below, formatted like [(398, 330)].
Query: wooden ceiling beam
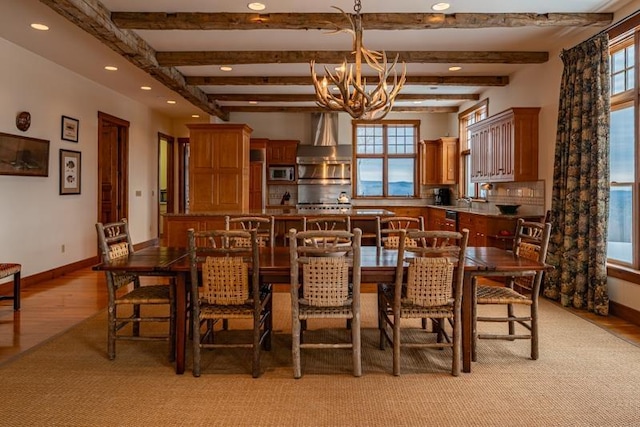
[(306, 80), (397, 109), (312, 97), (94, 18), (190, 58), (370, 21)]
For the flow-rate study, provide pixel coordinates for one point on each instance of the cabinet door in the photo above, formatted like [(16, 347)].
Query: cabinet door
[(448, 151), (429, 163), (256, 182), (282, 152)]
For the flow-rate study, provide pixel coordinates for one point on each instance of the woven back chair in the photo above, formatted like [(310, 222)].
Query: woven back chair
[(430, 289), (265, 227), (225, 285), (325, 284), (388, 230), (114, 241), (531, 241), (327, 223)]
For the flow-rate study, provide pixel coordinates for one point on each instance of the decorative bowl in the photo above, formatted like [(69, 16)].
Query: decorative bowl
[(508, 209)]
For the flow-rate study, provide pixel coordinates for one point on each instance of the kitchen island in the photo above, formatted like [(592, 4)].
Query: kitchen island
[(177, 224)]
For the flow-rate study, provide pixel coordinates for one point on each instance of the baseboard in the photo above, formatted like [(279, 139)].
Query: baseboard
[(25, 281), (624, 312)]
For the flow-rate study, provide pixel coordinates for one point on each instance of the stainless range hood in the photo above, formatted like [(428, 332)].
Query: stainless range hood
[(324, 147)]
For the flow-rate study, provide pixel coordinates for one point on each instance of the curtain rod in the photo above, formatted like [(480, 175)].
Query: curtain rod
[(621, 22)]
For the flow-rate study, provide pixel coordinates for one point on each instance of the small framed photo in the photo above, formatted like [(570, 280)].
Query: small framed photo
[(70, 128), (70, 168)]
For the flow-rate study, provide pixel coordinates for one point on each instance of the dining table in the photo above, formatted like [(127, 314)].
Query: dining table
[(377, 266)]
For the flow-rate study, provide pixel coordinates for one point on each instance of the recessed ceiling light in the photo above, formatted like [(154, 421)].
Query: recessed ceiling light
[(256, 6), (226, 68), (111, 68), (195, 116), (253, 102), (455, 68), (441, 6), (171, 101), (40, 27), (417, 102), (145, 87)]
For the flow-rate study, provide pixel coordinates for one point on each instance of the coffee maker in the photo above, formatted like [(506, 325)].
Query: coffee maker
[(442, 196)]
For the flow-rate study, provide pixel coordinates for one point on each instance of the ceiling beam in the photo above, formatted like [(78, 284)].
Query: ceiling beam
[(94, 18), (312, 97), (189, 58), (304, 81), (370, 21), (396, 109)]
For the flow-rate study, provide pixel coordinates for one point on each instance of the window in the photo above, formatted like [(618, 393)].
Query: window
[(465, 119), (622, 236), (385, 158)]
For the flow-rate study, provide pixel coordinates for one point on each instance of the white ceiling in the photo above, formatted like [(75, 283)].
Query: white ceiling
[(72, 48)]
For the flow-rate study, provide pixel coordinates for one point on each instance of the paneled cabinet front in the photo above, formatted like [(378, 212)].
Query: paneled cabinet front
[(504, 147), (439, 160), (219, 167), (282, 152)]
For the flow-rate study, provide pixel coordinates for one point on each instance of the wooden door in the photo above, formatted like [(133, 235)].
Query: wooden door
[(113, 161), (256, 183)]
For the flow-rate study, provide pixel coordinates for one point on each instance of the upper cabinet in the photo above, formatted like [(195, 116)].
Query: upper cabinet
[(504, 147), (281, 151), (219, 167), (439, 160)]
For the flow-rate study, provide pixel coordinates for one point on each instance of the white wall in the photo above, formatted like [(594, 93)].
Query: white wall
[(35, 221)]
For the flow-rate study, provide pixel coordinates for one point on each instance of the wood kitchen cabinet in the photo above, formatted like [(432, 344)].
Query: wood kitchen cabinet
[(439, 161), (437, 220), (504, 147), (282, 152), (219, 167)]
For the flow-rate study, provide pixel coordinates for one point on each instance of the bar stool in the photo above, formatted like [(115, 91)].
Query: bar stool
[(6, 270)]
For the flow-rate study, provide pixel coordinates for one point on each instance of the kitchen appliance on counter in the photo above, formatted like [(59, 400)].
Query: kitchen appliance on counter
[(282, 173), (442, 196)]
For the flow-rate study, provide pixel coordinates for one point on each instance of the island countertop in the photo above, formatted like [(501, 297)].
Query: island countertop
[(291, 212)]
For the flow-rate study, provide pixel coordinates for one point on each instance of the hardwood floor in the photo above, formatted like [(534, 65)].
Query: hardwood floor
[(51, 307)]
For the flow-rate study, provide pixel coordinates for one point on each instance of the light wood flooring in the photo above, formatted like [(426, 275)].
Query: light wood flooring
[(49, 308)]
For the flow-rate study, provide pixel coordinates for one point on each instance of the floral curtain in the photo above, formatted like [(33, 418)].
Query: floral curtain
[(580, 198)]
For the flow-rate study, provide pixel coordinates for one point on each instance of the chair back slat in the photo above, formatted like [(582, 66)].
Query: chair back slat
[(388, 229), (264, 226)]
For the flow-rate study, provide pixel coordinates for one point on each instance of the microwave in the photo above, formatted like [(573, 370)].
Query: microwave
[(282, 173)]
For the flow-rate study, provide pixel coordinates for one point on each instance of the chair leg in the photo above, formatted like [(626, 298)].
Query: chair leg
[(381, 321), (111, 333), (16, 291), (457, 343), (512, 326), (474, 322), (256, 346), (172, 321), (195, 321), (295, 347), (534, 330), (136, 325), (396, 345), (356, 343), (268, 323)]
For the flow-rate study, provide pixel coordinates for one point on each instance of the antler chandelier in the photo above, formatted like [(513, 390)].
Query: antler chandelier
[(352, 95)]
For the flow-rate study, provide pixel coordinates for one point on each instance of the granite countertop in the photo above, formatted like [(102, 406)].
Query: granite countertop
[(485, 212), (293, 212)]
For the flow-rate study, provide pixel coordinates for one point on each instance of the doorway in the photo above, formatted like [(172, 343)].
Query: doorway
[(166, 173), (113, 164)]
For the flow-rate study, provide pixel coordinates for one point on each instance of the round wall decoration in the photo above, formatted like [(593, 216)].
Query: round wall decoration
[(23, 121)]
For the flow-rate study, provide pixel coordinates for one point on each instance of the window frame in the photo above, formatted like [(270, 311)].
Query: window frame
[(621, 36), (385, 156), (479, 111)]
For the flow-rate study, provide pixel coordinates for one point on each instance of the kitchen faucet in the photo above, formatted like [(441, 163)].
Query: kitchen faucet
[(467, 200)]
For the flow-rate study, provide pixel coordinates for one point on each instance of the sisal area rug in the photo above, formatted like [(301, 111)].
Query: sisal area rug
[(585, 376)]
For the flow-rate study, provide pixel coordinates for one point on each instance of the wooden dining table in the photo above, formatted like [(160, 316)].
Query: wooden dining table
[(377, 266)]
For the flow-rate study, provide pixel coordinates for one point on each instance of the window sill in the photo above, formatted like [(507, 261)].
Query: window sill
[(623, 273)]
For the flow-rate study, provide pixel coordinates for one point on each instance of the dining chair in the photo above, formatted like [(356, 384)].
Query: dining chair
[(264, 225), (388, 228), (431, 289), (12, 269), (328, 223), (114, 241), (325, 284), (531, 241), (225, 285)]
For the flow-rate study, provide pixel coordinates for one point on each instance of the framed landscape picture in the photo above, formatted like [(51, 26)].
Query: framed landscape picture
[(21, 155), (70, 172), (70, 128)]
